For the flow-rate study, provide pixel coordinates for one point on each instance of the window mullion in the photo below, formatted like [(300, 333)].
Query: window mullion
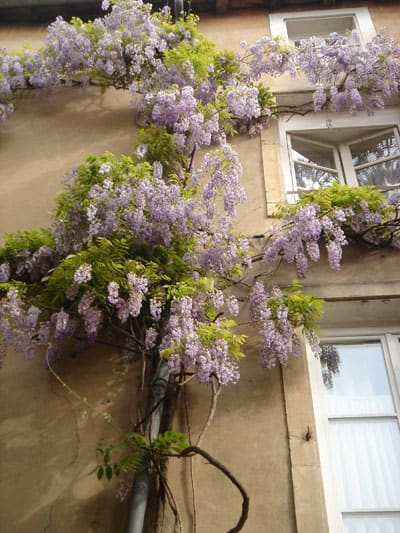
[(377, 162), (397, 135), (318, 167), (339, 165), (292, 169), (392, 345), (347, 161)]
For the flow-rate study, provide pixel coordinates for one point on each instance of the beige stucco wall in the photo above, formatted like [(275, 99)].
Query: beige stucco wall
[(48, 440)]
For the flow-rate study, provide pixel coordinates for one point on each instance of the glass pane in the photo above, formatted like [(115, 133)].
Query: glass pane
[(361, 385), (316, 154), (372, 523), (381, 175), (313, 178), (305, 27), (371, 150), (367, 459)]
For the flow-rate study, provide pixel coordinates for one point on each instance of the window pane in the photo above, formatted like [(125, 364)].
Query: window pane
[(316, 154), (302, 28), (371, 150), (367, 459), (381, 175), (361, 385), (372, 523), (313, 178)]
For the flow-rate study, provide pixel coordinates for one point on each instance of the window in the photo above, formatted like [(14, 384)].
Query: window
[(369, 158), (344, 150), (304, 27), (358, 414), (301, 25)]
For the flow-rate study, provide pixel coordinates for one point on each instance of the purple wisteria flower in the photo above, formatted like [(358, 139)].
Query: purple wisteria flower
[(4, 272), (83, 274)]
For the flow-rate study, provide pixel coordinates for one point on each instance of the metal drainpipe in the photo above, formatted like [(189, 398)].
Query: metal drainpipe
[(141, 484), (178, 8)]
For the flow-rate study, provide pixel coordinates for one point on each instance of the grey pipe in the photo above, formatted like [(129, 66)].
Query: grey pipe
[(179, 9), (141, 484)]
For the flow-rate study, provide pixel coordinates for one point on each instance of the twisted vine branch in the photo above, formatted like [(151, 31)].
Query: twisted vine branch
[(193, 450)]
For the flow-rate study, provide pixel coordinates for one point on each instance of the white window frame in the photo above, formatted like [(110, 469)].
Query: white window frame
[(362, 21), (336, 157), (294, 124), (391, 349)]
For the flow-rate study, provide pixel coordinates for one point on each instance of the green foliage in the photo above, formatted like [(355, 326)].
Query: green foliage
[(226, 64), (161, 146), (190, 287), (210, 333), (337, 196), (142, 453), (266, 99), (16, 244), (201, 54), (181, 27), (17, 249), (87, 175), (108, 260), (107, 468), (304, 310)]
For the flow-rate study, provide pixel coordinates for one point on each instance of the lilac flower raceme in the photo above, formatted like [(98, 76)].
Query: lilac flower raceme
[(83, 274), (189, 347), (277, 333), (137, 246)]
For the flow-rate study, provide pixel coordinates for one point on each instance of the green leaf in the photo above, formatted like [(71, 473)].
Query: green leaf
[(109, 472), (100, 472)]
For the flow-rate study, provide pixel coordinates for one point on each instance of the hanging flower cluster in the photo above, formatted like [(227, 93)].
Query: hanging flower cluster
[(142, 248), (278, 314), (333, 217), (344, 75)]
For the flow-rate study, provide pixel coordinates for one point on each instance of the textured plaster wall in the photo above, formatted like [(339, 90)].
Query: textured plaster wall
[(48, 440), (49, 136)]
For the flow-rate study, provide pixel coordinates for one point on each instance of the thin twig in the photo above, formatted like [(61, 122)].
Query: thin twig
[(191, 462), (170, 497), (216, 391), (82, 399), (148, 414)]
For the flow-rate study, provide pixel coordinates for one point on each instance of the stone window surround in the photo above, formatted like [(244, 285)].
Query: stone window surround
[(362, 19)]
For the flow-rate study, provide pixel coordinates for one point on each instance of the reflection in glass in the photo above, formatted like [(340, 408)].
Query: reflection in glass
[(375, 148), (313, 153), (313, 178), (381, 175), (372, 152), (314, 164), (361, 386)]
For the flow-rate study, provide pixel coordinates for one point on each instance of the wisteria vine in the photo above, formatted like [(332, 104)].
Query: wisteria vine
[(137, 246)]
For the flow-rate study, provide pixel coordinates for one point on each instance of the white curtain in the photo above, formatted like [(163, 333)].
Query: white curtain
[(367, 457), (372, 523)]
